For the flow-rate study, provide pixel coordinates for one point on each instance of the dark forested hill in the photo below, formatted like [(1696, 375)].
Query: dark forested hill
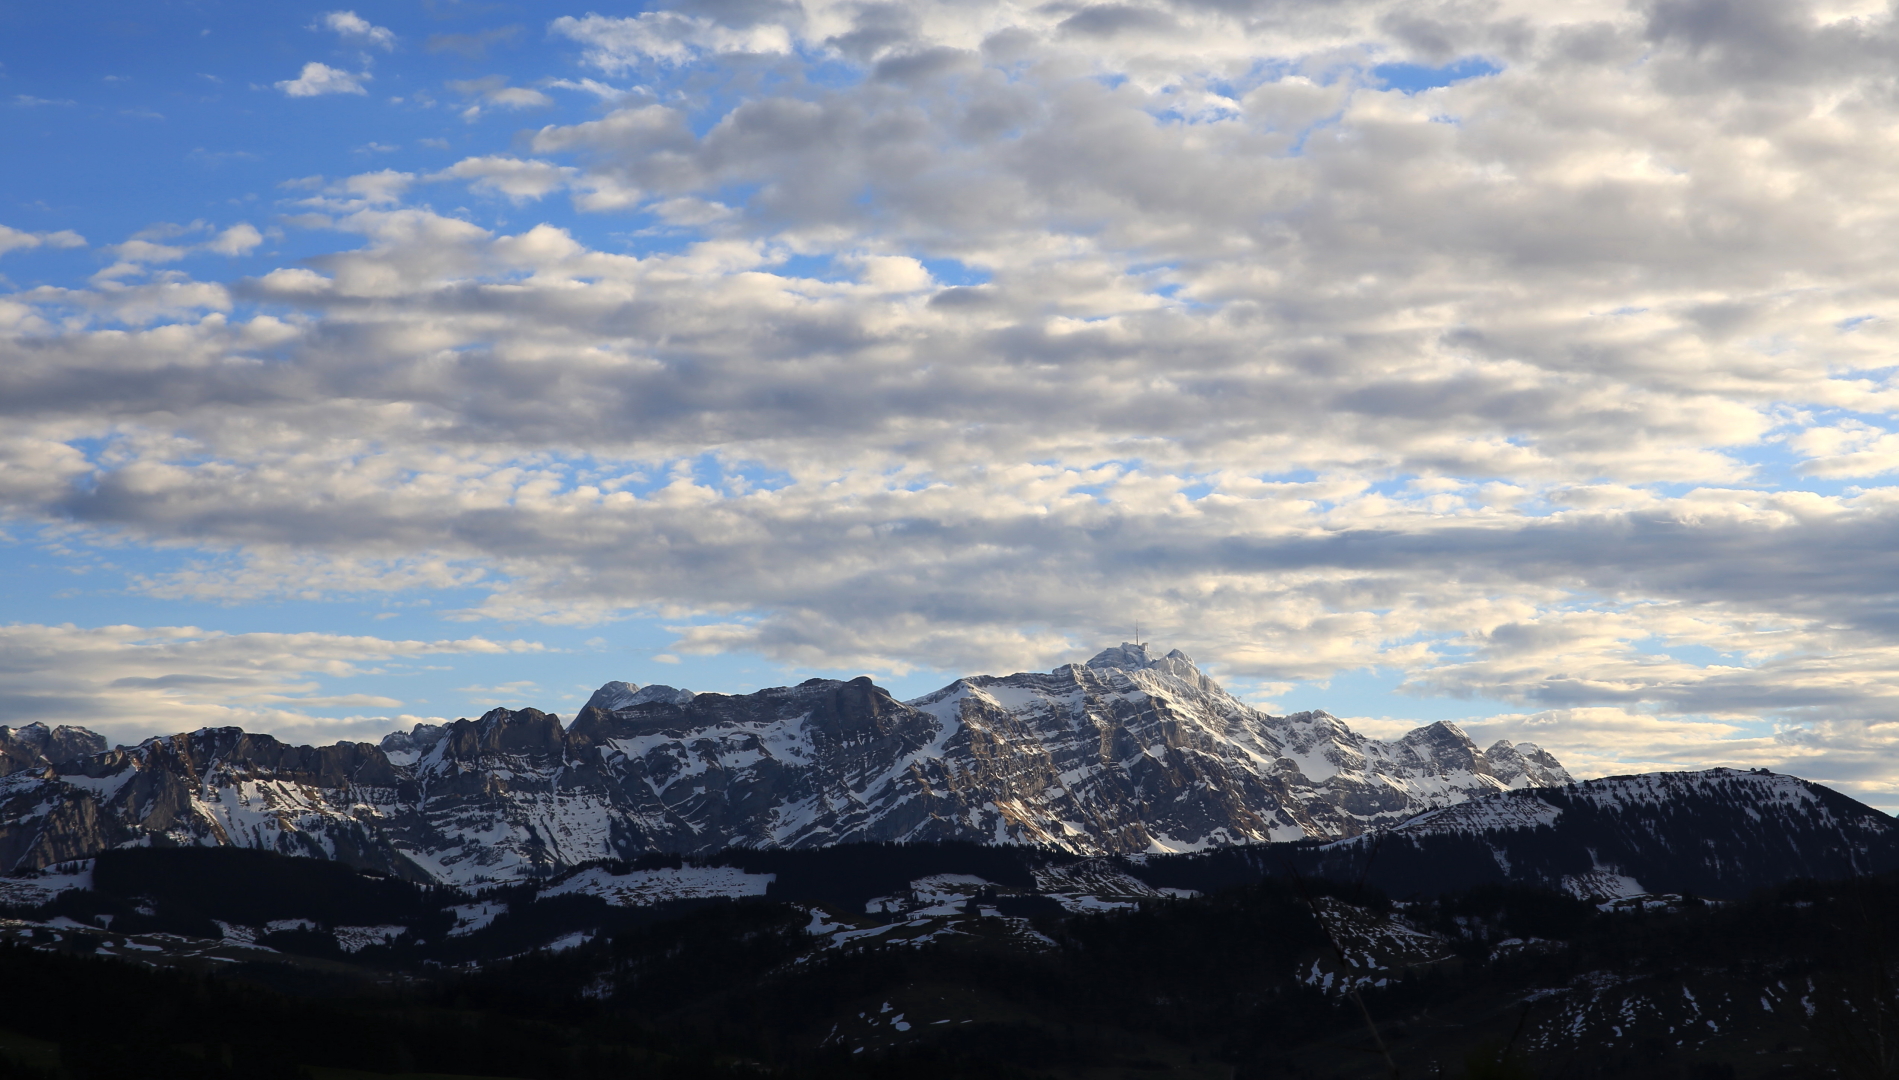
[(937, 961), (1248, 982)]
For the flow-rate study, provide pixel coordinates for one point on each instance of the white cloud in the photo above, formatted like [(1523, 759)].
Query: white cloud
[(318, 79), (239, 239), (131, 682), (493, 91), (354, 28), (360, 191), (518, 97), (591, 86), (16, 240), (616, 44), (144, 251), (380, 187), (517, 179), (1849, 448)]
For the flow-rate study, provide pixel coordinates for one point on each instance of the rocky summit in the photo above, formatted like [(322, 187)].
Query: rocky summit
[(36, 746), (1129, 752)]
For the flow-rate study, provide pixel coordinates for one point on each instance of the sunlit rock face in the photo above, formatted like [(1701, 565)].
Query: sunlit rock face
[(1129, 752)]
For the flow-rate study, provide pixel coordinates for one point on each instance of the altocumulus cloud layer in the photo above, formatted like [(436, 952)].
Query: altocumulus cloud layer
[(1540, 352)]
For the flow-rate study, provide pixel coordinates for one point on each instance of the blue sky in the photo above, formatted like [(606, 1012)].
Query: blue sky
[(189, 92), (425, 357)]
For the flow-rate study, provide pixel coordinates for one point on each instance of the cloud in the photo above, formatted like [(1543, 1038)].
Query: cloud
[(493, 91), (352, 193), (239, 239), (592, 86), (379, 187), (354, 28), (516, 179), (318, 79), (145, 251), (1849, 448), (130, 682), (17, 240), (617, 44), (161, 243)]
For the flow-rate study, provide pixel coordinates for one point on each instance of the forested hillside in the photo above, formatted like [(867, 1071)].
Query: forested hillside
[(1281, 976)]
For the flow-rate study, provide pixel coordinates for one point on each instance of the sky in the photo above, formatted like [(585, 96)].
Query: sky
[(1521, 364)]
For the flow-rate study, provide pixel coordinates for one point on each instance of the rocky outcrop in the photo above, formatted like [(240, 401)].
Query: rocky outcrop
[(1127, 753), (36, 746)]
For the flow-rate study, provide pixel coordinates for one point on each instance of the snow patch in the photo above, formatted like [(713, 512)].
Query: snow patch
[(354, 939), (640, 888)]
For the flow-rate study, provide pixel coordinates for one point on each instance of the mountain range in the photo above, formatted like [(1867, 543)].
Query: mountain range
[(1113, 866), (1130, 752), (1522, 933)]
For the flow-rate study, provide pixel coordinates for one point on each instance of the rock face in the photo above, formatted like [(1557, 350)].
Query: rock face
[(35, 746), (1126, 753)]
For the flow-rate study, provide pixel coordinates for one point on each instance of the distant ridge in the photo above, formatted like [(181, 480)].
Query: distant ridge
[(1716, 833)]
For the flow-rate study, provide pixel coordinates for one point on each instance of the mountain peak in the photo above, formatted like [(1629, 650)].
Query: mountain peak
[(35, 745), (415, 741), (1128, 656), (1135, 656), (614, 696)]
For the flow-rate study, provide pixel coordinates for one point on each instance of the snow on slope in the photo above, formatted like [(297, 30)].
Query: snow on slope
[(639, 888)]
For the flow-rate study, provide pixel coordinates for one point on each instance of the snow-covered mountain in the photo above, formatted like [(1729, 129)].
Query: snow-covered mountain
[(1131, 752), (1127, 753)]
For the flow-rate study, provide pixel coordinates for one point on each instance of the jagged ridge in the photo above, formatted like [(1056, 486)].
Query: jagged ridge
[(36, 746), (1127, 753)]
